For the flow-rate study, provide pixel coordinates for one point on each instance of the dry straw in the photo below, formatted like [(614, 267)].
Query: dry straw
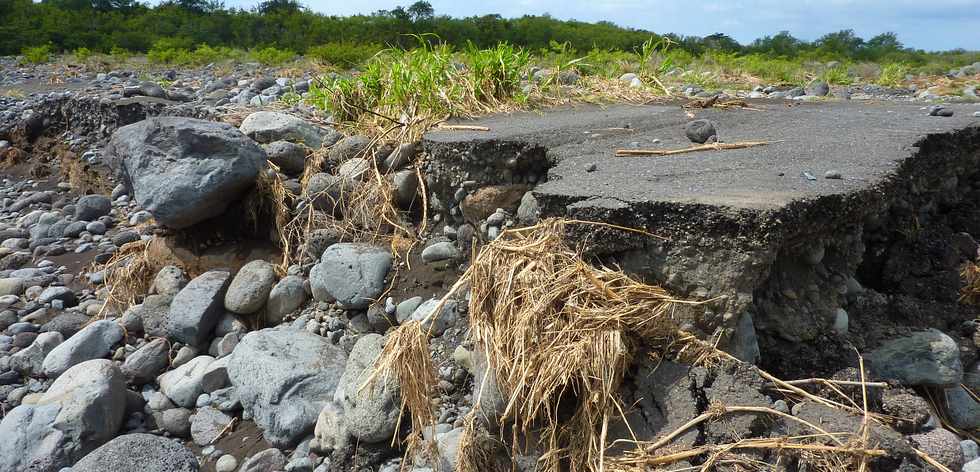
[(970, 293), (553, 328)]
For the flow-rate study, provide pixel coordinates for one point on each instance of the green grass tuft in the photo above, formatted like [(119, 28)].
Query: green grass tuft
[(36, 55)]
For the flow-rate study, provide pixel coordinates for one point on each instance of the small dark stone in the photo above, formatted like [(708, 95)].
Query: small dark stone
[(700, 131), (591, 167), (9, 378)]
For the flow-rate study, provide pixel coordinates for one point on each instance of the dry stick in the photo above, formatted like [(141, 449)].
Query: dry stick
[(228, 427), (735, 409), (703, 147), (764, 444), (846, 383), (462, 128)]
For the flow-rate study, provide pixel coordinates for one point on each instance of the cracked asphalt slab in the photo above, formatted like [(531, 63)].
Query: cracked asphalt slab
[(864, 141)]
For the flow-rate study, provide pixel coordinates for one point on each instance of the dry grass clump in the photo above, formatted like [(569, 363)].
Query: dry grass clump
[(555, 329), (970, 293), (128, 275)]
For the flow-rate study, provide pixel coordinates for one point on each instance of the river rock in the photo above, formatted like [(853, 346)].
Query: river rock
[(271, 126), (147, 362), (353, 274), (195, 310), (92, 342), (139, 453), (184, 170), (82, 410), (183, 384), (285, 297), (371, 413), (283, 378), (29, 361), (250, 288), (923, 358)]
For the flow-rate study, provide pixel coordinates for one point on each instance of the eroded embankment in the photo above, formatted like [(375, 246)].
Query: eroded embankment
[(799, 267)]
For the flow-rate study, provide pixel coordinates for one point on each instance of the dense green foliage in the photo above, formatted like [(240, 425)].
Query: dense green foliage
[(200, 31)]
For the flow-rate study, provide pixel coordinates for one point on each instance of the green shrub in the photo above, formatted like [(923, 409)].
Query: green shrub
[(271, 56), (82, 54), (119, 54), (892, 75), (343, 55), (36, 55), (836, 75)]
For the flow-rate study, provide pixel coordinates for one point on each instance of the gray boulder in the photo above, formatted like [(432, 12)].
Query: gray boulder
[(287, 296), (270, 126), (139, 453), (195, 310), (923, 358), (92, 342), (283, 378), (353, 274), (144, 365), (29, 361), (91, 207), (82, 410), (250, 288), (184, 170), (184, 384), (371, 413)]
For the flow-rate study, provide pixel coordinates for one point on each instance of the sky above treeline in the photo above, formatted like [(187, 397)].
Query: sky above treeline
[(921, 24)]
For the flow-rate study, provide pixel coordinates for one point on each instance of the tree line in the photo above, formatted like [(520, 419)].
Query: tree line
[(102, 25)]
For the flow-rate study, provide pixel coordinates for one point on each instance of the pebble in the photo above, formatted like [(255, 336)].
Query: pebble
[(832, 175), (226, 463)]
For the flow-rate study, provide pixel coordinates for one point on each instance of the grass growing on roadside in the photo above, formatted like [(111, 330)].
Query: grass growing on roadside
[(428, 83), (892, 75)]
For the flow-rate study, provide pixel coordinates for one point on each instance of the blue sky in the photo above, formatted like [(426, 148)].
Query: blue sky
[(924, 24)]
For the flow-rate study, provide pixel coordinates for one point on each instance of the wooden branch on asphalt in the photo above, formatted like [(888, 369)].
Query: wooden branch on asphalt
[(702, 147)]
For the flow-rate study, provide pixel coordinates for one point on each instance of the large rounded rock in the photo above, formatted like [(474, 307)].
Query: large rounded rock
[(250, 288), (91, 207), (371, 413), (353, 274), (92, 342), (924, 358), (195, 310), (283, 378), (271, 126), (184, 170), (139, 453), (82, 410)]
